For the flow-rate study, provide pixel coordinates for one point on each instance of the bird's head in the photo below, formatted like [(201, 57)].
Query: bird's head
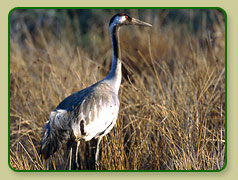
[(124, 19)]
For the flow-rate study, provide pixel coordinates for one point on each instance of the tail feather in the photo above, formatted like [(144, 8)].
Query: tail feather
[(52, 140)]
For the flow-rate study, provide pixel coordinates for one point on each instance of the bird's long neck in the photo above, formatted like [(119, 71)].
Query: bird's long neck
[(115, 75)]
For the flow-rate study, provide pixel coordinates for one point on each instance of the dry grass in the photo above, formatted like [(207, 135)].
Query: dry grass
[(172, 113)]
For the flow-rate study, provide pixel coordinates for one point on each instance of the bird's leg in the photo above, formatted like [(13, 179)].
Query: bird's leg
[(70, 158), (78, 143), (47, 165), (97, 152)]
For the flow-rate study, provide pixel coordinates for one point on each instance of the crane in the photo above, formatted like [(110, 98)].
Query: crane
[(91, 112)]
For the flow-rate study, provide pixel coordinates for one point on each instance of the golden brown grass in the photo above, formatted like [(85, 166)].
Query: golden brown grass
[(172, 112)]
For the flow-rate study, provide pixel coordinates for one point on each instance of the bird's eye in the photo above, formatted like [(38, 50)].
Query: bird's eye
[(126, 17)]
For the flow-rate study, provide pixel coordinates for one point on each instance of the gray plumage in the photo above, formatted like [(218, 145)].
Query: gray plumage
[(91, 112), (73, 116)]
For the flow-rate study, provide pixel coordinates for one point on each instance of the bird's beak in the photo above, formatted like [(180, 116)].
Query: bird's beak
[(140, 23)]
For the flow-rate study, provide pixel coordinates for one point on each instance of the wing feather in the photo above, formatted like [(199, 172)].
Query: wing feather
[(57, 132)]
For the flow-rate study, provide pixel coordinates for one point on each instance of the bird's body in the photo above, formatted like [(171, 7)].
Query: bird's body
[(91, 112), (86, 114)]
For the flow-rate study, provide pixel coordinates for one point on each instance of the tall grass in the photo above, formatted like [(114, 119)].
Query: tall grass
[(172, 112)]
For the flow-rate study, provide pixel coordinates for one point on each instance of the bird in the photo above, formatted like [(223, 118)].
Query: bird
[(91, 112)]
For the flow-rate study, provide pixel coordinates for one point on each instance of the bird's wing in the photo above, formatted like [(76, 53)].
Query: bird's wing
[(59, 120), (96, 113)]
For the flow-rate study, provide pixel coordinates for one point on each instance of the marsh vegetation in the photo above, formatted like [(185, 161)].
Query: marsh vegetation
[(172, 112)]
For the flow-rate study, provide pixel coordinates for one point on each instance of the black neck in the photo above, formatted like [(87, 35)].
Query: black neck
[(114, 76), (115, 41)]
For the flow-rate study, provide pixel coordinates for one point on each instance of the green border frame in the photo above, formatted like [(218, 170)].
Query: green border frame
[(218, 8)]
